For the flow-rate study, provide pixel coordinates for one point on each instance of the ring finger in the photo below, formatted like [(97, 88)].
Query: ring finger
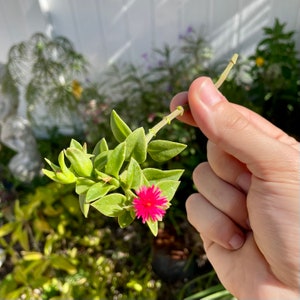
[(222, 195)]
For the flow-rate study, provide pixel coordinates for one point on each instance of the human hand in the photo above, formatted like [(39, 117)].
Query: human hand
[(247, 207)]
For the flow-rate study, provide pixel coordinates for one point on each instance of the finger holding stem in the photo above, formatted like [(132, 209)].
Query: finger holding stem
[(180, 109)]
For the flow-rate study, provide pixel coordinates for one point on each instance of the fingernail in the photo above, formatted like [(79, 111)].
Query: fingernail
[(236, 241), (208, 93)]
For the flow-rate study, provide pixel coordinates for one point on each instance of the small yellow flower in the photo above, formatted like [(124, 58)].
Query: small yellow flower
[(259, 61), (76, 89)]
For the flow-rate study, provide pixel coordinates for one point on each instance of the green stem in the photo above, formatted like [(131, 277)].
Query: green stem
[(180, 110), (165, 121), (225, 73)]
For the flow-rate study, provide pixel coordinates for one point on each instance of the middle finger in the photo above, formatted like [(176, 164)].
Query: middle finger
[(227, 167), (221, 194)]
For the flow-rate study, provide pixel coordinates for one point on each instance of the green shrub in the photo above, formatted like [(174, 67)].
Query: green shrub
[(54, 253), (275, 71)]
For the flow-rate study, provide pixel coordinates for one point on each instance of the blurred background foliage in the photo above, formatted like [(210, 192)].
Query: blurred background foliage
[(48, 249), (45, 70)]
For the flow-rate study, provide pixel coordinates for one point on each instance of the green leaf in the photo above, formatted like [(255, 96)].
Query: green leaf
[(62, 263), (60, 177), (101, 160), (18, 211), (61, 174), (54, 167), (18, 292), (162, 151), (110, 205), (97, 191), (49, 245), (156, 175), (134, 175), (168, 188), (100, 147), (7, 228), (24, 240), (83, 184), (40, 268), (84, 207), (119, 128), (80, 161), (115, 160), (153, 227), (32, 255), (62, 164), (21, 235), (125, 219), (75, 144), (136, 145), (50, 174), (64, 178)]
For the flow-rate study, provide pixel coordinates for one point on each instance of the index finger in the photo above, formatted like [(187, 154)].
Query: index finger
[(181, 99), (238, 135)]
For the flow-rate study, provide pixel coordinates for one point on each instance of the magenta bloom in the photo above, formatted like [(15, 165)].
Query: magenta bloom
[(150, 204)]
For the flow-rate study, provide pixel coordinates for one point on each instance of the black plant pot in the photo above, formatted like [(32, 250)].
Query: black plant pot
[(172, 259)]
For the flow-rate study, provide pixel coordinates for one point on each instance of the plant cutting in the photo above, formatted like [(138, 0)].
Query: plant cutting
[(118, 182)]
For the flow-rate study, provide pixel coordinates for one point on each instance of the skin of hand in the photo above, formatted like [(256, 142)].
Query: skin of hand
[(247, 208)]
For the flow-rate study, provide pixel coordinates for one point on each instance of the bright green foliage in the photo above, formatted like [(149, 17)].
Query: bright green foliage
[(60, 173), (108, 179), (119, 128), (97, 191), (125, 218), (55, 253), (133, 177), (80, 161), (154, 175), (110, 205), (115, 160), (162, 151), (168, 188), (136, 146), (153, 227)]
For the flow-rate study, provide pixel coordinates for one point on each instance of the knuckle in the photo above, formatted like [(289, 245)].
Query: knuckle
[(199, 170), (236, 122)]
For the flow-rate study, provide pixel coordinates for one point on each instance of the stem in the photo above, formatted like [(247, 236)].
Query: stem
[(180, 110), (225, 73), (165, 121)]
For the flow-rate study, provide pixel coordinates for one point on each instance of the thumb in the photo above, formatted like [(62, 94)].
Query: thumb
[(240, 134)]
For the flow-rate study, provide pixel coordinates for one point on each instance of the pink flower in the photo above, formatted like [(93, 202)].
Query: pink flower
[(150, 204)]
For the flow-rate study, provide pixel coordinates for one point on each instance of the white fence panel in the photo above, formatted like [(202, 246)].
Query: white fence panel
[(106, 31), (18, 21)]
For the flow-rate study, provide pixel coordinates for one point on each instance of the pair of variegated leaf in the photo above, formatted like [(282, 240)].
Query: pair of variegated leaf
[(108, 178)]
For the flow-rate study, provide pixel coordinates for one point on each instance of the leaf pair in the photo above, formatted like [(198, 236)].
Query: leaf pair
[(136, 142)]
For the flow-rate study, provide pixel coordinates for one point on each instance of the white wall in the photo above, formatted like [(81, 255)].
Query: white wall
[(19, 19), (109, 30)]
